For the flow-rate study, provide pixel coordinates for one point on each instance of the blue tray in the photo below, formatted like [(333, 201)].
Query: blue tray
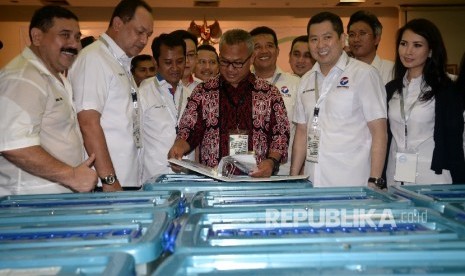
[(375, 262), (190, 184), (92, 203), (222, 201), (447, 199), (111, 264), (137, 232), (257, 231)]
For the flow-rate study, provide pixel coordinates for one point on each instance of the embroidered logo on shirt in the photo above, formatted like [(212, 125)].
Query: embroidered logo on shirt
[(285, 91), (344, 82), (308, 90)]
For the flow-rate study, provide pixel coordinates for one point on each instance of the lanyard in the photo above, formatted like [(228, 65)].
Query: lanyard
[(406, 116), (132, 83), (128, 75), (275, 80), (173, 115), (326, 89)]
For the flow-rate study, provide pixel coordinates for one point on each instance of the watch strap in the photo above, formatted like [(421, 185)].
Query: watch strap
[(275, 164)]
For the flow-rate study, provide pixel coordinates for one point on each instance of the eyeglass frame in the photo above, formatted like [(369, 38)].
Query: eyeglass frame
[(353, 35), (235, 64)]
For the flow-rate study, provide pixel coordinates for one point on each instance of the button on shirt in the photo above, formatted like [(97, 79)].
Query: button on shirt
[(36, 109), (356, 97), (160, 116), (100, 83)]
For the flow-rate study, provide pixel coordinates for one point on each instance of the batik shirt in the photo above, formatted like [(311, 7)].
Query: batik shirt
[(215, 108)]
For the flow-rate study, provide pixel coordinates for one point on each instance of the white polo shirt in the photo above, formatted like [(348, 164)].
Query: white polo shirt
[(356, 97), (100, 83), (287, 85), (385, 68), (161, 112), (36, 109)]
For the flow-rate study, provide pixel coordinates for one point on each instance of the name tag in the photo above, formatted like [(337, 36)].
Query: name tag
[(406, 167), (313, 145), (238, 142)]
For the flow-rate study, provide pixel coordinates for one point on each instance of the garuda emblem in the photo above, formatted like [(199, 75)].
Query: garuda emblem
[(208, 34)]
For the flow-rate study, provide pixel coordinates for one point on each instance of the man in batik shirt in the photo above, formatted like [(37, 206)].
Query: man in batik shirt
[(235, 113)]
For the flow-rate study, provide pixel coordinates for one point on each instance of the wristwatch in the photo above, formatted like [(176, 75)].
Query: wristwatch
[(109, 179), (378, 181), (275, 164)]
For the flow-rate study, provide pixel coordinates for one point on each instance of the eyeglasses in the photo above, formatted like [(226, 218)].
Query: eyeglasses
[(235, 64), (361, 35)]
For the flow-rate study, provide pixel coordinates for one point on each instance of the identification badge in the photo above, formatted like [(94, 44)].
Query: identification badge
[(238, 142), (313, 145), (406, 167), (136, 128)]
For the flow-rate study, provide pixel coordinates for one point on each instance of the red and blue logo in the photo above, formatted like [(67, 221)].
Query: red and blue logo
[(285, 90), (344, 81)]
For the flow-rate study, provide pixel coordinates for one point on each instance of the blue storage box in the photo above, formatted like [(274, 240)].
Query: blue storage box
[(375, 262), (190, 184), (92, 203), (447, 199), (302, 227), (243, 200), (137, 231), (111, 264)]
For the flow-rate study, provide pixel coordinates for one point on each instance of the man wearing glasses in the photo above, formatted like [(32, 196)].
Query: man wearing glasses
[(364, 31), (235, 112)]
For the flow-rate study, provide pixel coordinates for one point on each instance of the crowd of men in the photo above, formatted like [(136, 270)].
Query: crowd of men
[(117, 116)]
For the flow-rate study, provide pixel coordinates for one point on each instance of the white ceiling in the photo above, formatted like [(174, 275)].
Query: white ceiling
[(240, 3)]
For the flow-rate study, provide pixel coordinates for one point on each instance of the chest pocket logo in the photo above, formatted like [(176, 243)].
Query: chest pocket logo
[(344, 82), (285, 91)]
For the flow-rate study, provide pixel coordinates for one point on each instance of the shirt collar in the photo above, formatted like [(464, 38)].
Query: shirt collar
[(31, 57), (250, 78), (162, 82), (376, 62), (115, 49)]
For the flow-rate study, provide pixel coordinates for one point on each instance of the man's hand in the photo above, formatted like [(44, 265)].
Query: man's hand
[(177, 151), (264, 169), (84, 178)]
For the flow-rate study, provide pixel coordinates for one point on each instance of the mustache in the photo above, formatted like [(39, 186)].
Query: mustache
[(73, 51)]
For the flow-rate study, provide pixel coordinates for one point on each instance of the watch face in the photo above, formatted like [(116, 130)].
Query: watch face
[(109, 179)]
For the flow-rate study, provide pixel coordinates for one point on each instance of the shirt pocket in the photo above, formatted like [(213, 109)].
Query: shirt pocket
[(340, 103)]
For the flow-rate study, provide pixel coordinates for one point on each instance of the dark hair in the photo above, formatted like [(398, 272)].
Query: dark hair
[(334, 19), (265, 30), (135, 61), (434, 71), (127, 8), (183, 34), (86, 41), (369, 18), (169, 40), (302, 38), (43, 17), (208, 47)]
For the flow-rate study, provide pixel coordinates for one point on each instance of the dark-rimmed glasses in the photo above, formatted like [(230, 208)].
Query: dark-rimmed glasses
[(235, 64)]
